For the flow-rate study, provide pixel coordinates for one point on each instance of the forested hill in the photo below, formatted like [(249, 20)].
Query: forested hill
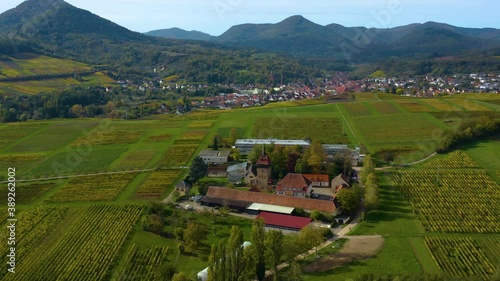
[(299, 36), (58, 29)]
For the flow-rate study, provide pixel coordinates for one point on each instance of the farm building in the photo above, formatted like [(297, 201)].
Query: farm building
[(236, 173), (318, 180), (294, 185), (246, 145), (240, 200), (257, 208), (215, 157), (340, 182), (286, 222)]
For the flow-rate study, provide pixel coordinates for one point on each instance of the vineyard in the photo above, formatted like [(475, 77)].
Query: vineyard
[(413, 106), (454, 160), (142, 264), (33, 226), (357, 109), (93, 188), (108, 137), (178, 155), (461, 201), (84, 246), (157, 184), (385, 108), (191, 138), (136, 159), (464, 257), (27, 193), (159, 138)]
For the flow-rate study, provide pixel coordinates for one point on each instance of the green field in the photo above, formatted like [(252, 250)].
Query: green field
[(56, 214)]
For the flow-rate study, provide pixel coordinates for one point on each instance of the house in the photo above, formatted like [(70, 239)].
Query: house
[(241, 200), (215, 157), (183, 186), (318, 180), (286, 222), (294, 185), (251, 175), (236, 173), (340, 182)]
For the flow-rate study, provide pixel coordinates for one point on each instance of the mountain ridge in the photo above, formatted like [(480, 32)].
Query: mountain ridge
[(301, 37)]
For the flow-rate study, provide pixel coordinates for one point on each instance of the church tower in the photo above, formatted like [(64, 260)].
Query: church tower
[(263, 170)]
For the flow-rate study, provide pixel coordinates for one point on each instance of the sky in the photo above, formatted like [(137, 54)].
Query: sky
[(216, 16)]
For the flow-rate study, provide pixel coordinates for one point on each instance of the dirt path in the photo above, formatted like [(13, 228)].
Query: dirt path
[(357, 248), (94, 174)]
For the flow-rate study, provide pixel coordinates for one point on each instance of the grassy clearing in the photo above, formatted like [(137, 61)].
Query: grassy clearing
[(52, 137), (16, 132), (67, 162), (224, 131), (383, 130), (200, 125), (365, 96), (325, 130), (396, 257)]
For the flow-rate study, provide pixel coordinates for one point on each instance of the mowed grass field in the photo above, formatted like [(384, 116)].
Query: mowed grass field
[(145, 159)]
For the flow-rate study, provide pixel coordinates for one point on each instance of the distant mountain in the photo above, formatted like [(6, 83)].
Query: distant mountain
[(58, 29), (177, 33), (300, 37), (53, 19)]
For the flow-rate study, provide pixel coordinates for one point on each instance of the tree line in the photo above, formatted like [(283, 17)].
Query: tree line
[(472, 129)]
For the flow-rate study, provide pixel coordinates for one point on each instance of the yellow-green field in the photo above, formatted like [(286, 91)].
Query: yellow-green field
[(27, 65), (101, 173)]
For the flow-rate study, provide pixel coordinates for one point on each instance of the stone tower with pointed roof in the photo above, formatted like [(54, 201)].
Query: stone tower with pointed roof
[(263, 170)]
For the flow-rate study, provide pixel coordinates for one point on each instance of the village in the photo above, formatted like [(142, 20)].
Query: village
[(337, 87), (284, 203)]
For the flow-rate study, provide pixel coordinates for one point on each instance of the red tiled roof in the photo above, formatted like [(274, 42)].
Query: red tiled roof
[(317, 178), (284, 220), (255, 189), (296, 181), (264, 160), (272, 199)]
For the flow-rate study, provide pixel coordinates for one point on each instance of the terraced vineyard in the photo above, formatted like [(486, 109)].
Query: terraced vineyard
[(460, 201), (463, 257), (83, 246), (142, 263)]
